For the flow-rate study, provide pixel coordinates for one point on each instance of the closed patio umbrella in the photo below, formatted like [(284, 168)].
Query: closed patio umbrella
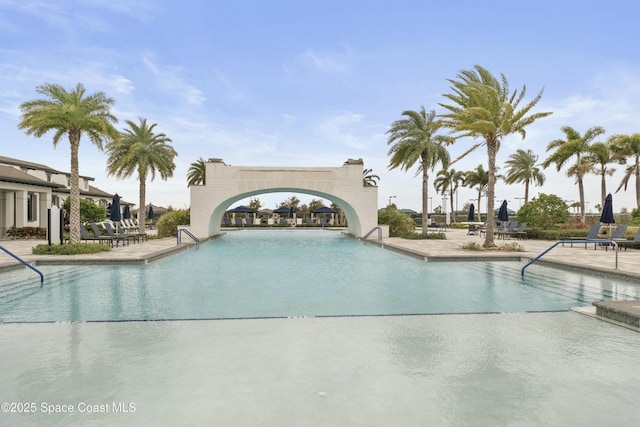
[(150, 212), (114, 213), (472, 213), (503, 214), (127, 212), (606, 216)]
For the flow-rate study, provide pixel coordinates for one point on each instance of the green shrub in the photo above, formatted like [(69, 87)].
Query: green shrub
[(428, 236), (70, 249), (634, 218), (544, 211), (505, 247), (89, 210), (27, 233), (400, 224), (167, 224)]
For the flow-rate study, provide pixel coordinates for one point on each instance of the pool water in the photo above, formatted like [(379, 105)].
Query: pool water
[(286, 273)]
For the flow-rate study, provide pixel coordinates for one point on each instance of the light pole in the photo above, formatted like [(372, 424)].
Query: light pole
[(391, 197), (521, 199), (445, 199)]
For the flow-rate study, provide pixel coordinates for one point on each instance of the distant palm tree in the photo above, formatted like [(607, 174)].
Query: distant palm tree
[(369, 179), (478, 178), (522, 168), (602, 155), (575, 145), (484, 107), (145, 152), (71, 113), (197, 173), (629, 147), (414, 140), (449, 180)]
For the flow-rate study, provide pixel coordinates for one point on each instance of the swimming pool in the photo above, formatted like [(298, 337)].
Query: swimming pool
[(523, 368), (254, 274)]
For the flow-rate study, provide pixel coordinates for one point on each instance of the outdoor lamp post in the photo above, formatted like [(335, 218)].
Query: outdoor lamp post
[(521, 199), (391, 197)]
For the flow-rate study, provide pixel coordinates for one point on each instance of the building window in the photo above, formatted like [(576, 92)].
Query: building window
[(55, 201), (32, 207), (48, 177)]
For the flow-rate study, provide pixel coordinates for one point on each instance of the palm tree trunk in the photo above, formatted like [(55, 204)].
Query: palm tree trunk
[(479, 198), (603, 189), (141, 211), (453, 212), (581, 191), (637, 181), (491, 151), (74, 190), (425, 199), (526, 191)]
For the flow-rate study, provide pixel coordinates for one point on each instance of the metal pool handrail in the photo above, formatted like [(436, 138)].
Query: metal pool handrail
[(371, 232), (613, 242), (26, 264), (183, 230)]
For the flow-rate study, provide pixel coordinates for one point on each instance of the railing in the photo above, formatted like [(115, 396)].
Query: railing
[(371, 232), (586, 241), (26, 265), (188, 233)]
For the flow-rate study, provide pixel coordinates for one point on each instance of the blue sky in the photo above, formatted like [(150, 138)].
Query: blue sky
[(294, 83)]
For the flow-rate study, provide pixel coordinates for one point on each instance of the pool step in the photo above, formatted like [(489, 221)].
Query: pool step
[(543, 279), (22, 283)]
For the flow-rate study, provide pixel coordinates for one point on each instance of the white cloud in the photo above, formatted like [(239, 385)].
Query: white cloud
[(331, 62), (168, 79)]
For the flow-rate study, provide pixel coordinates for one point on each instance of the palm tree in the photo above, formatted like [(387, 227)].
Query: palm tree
[(145, 152), (414, 141), (448, 180), (629, 146), (602, 154), (197, 173), (578, 146), (71, 113), (369, 179), (478, 178), (483, 107), (522, 168)]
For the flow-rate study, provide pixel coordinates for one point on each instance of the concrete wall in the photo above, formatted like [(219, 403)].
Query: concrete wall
[(227, 184)]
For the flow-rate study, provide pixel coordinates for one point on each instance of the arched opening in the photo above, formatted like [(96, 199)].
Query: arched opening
[(216, 216)]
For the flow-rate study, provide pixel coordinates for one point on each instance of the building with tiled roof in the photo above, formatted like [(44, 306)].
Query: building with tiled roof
[(28, 190)]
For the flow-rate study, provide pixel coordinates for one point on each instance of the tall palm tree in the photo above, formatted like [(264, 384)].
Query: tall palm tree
[(369, 179), (197, 173), (484, 107), (448, 180), (602, 155), (414, 141), (71, 113), (145, 152), (522, 168), (478, 178), (575, 145), (629, 146)]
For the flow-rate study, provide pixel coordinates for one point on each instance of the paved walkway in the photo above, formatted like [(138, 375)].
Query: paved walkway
[(432, 250)]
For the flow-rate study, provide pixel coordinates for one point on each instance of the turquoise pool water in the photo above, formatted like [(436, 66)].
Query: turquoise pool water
[(254, 274)]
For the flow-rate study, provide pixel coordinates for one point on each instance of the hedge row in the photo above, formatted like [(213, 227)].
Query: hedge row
[(27, 233)]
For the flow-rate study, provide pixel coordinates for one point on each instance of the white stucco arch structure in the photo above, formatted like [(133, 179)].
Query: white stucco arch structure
[(226, 185)]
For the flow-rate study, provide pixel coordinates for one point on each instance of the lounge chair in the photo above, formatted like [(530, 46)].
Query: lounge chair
[(143, 236), (510, 229), (473, 230), (99, 234), (127, 236), (84, 235), (591, 235), (626, 243), (519, 232)]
